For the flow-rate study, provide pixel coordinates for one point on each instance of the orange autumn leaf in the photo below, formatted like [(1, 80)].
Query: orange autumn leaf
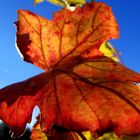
[(38, 135), (63, 135), (48, 44), (81, 90), (55, 133), (36, 132), (38, 1), (86, 94)]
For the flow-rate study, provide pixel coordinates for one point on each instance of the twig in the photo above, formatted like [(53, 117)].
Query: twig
[(82, 136), (66, 3), (71, 8)]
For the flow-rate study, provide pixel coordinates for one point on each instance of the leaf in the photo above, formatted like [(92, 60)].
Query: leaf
[(109, 136), (76, 2), (130, 138), (108, 50), (38, 1), (87, 135), (37, 133), (70, 2), (57, 2), (48, 44), (55, 133), (62, 134), (87, 94), (62, 3)]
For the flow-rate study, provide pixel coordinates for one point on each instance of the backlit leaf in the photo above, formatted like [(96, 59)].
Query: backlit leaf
[(58, 2), (62, 134), (86, 94), (48, 44), (37, 1), (76, 2), (81, 90), (70, 2), (62, 3), (87, 135), (108, 50), (130, 137), (109, 136), (37, 133)]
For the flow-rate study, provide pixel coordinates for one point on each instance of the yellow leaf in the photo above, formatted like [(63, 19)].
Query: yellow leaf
[(108, 136), (76, 2), (37, 1), (69, 2), (108, 50), (57, 2), (87, 135)]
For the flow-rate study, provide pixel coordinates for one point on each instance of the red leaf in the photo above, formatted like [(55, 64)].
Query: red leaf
[(55, 133), (61, 135), (47, 44), (87, 94)]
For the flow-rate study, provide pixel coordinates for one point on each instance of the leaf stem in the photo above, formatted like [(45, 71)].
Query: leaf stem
[(82, 136), (66, 3), (71, 8)]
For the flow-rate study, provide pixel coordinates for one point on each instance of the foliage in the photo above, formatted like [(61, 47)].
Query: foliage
[(38, 1), (108, 136), (108, 50), (63, 2), (66, 27), (82, 88)]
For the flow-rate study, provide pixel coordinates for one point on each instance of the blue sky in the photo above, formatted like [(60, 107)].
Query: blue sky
[(13, 69)]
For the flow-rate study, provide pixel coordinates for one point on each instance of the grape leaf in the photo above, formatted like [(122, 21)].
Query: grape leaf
[(62, 134), (37, 133), (61, 2), (70, 2), (86, 94), (47, 44), (76, 92), (109, 136), (57, 2), (38, 1), (108, 50), (55, 133)]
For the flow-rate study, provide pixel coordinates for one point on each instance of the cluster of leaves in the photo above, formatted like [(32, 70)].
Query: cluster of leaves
[(82, 88), (63, 2)]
